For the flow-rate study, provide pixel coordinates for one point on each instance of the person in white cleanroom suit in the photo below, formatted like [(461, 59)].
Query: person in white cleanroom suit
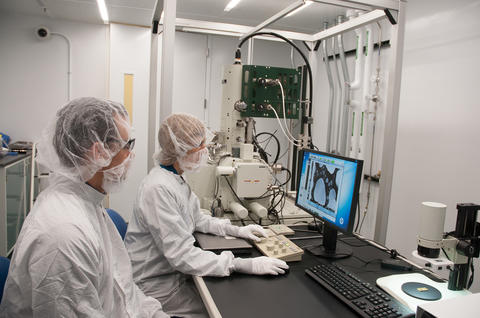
[(69, 259), (160, 238)]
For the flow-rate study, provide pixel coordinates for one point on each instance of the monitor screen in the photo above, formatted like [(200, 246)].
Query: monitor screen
[(328, 187)]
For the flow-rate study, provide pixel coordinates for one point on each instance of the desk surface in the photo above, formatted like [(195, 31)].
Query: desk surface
[(294, 294)]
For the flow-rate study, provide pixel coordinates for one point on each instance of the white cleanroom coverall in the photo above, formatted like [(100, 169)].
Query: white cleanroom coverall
[(161, 245), (70, 261)]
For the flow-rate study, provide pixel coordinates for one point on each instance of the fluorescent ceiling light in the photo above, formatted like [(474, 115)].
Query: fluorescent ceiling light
[(198, 30), (103, 10), (307, 3), (232, 4), (227, 33)]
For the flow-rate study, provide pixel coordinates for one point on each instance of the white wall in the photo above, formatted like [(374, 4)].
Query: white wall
[(33, 82), (130, 54), (189, 73), (437, 152)]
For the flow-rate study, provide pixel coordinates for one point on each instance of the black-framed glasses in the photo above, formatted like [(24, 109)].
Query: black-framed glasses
[(130, 144)]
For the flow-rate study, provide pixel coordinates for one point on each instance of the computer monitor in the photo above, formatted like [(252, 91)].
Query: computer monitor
[(327, 188)]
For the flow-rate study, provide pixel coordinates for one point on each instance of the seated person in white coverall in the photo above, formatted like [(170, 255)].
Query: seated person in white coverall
[(160, 238), (69, 259)]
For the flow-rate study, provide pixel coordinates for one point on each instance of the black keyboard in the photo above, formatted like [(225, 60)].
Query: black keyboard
[(363, 298)]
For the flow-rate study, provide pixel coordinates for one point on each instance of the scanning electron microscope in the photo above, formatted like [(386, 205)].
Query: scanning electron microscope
[(460, 246), (239, 177)]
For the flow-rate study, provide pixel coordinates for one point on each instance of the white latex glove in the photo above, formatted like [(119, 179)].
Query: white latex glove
[(260, 265), (249, 232)]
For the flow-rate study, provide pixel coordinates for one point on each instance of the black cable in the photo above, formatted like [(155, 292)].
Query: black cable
[(279, 201), (310, 76), (316, 225), (302, 221), (233, 191), (358, 216), (272, 209), (470, 281), (289, 176), (275, 194), (284, 199), (308, 231), (363, 219), (365, 263), (262, 150), (448, 233), (446, 254), (263, 196)]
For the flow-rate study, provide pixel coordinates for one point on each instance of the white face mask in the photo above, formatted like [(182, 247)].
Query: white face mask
[(114, 178), (193, 161)]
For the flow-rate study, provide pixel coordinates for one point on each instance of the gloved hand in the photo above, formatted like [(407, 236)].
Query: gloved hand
[(250, 232), (260, 265)]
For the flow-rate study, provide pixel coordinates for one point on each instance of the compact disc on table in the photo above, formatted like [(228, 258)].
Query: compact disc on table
[(421, 291)]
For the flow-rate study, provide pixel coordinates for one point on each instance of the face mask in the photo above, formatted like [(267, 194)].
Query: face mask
[(193, 161), (114, 178)]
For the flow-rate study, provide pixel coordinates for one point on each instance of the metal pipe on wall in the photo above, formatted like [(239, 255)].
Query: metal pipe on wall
[(346, 88), (362, 128), (354, 104), (69, 64), (331, 92), (339, 100)]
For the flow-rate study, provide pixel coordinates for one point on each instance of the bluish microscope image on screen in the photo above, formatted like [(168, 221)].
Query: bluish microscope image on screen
[(326, 187)]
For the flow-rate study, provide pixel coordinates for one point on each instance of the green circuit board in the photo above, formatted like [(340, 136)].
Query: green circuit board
[(258, 96)]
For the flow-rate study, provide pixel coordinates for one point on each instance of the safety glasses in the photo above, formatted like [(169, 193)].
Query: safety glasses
[(130, 144)]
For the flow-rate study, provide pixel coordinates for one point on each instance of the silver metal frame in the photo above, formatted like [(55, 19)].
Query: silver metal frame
[(393, 88), (274, 18), (391, 124), (3, 203), (350, 25), (235, 30), (152, 100)]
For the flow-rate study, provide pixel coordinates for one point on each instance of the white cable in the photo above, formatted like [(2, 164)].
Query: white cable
[(293, 141), (285, 113)]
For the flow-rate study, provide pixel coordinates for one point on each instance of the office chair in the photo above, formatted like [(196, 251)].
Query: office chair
[(118, 221), (4, 266)]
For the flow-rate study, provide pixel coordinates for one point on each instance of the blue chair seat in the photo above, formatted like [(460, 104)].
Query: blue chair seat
[(4, 266), (118, 221)]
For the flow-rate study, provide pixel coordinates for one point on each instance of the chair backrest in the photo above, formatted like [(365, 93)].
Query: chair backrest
[(118, 221), (4, 266)]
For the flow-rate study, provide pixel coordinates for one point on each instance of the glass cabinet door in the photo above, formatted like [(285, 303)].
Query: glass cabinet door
[(16, 191)]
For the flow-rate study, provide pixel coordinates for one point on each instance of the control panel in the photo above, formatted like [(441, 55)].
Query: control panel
[(278, 246), (258, 93)]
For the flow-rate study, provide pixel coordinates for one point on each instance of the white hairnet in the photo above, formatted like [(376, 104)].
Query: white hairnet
[(178, 134), (84, 136)]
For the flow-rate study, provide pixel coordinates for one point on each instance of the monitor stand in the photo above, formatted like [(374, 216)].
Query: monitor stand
[(329, 248)]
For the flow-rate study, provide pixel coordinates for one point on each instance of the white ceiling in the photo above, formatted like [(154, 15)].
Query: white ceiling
[(253, 12), (140, 12)]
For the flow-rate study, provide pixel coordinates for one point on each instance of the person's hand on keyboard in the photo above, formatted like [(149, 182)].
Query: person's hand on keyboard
[(260, 265)]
